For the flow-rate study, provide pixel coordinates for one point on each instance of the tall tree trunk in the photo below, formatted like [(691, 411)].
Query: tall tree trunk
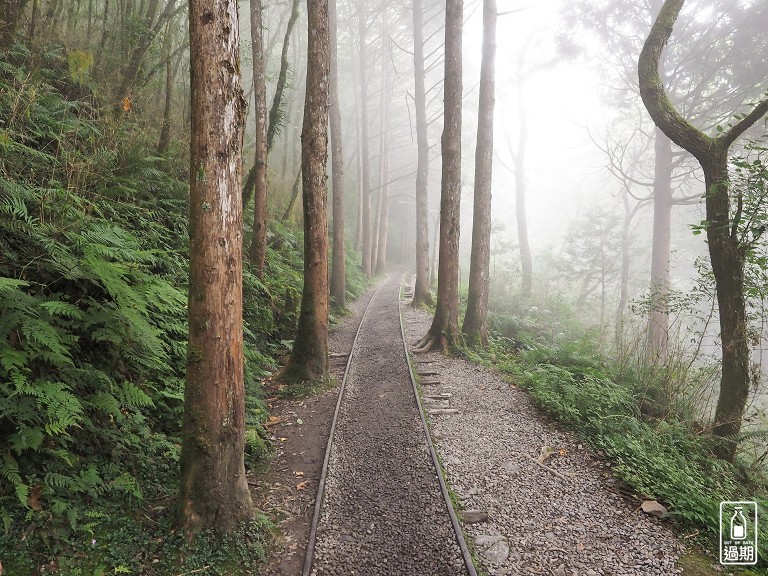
[(276, 110), (475, 326), (338, 280), (381, 257), (521, 216), (444, 331), (213, 490), (726, 252), (309, 358), (141, 47), (359, 165), (658, 320), (383, 166), (258, 250), (362, 27), (11, 12), (421, 292), (171, 70), (295, 189)]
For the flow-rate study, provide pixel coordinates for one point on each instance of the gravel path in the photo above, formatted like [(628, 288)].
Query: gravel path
[(383, 512), (569, 522)]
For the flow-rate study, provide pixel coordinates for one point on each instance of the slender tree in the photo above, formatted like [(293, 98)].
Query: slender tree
[(11, 13), (475, 326), (338, 287), (444, 330), (421, 292), (258, 251), (309, 359), (726, 249), (277, 109), (213, 491), (362, 28)]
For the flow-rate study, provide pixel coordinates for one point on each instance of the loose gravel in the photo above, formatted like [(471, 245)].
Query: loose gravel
[(383, 512), (566, 521)]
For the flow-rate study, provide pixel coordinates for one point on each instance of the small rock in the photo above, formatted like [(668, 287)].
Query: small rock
[(474, 516), (654, 508), (487, 539), (510, 466), (497, 553)]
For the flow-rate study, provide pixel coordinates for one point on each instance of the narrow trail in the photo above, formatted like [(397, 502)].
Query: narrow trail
[(383, 511)]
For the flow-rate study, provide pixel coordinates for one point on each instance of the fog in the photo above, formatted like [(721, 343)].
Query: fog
[(566, 75)]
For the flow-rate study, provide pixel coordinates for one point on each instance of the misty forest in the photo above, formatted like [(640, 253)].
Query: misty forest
[(418, 288)]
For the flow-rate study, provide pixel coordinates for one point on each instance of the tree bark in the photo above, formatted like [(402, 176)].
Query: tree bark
[(726, 252), (213, 490), (377, 250), (421, 292), (258, 251), (444, 331), (475, 326), (338, 280), (295, 189), (11, 12), (362, 27), (282, 79), (521, 215), (309, 358), (151, 30), (658, 319), (275, 111)]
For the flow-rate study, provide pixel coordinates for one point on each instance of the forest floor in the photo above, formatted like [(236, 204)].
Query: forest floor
[(565, 517)]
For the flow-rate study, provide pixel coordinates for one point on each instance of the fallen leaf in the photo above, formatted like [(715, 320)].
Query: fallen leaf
[(127, 104), (654, 508), (546, 452), (273, 420), (299, 421), (282, 439), (298, 473), (302, 485), (563, 452)]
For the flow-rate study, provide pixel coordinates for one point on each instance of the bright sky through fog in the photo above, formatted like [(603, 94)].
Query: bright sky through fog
[(564, 169)]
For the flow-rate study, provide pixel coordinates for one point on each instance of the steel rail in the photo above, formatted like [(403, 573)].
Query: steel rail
[(310, 552), (467, 556)]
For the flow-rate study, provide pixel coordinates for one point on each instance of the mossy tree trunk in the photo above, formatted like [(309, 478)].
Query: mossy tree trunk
[(309, 359), (213, 491), (258, 251), (475, 326), (727, 253), (338, 280), (444, 331), (421, 292)]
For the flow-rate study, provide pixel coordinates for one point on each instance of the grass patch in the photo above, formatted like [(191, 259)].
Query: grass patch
[(667, 459)]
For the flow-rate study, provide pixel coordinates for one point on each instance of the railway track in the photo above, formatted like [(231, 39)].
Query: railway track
[(382, 506)]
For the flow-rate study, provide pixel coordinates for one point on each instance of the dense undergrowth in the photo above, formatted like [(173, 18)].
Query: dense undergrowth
[(93, 272), (657, 449)]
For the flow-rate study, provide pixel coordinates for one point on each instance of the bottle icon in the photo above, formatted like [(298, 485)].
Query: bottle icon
[(738, 525)]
